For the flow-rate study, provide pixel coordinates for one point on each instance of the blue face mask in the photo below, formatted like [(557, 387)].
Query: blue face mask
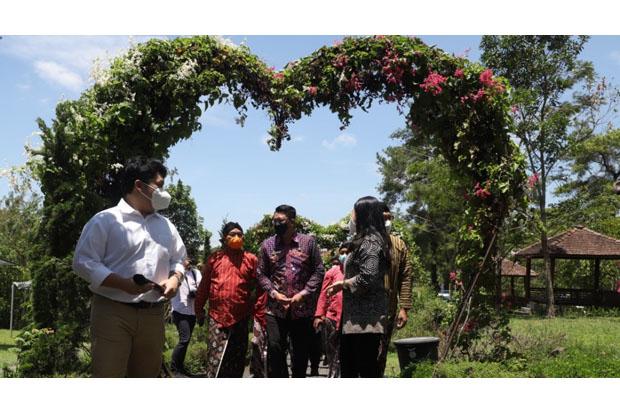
[(342, 258)]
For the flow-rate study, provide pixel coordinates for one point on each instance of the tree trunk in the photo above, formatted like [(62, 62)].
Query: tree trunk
[(544, 244), (498, 281)]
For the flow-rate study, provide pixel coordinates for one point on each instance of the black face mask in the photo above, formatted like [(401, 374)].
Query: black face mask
[(280, 228)]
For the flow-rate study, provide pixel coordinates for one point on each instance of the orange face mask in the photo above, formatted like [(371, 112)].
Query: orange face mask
[(235, 243)]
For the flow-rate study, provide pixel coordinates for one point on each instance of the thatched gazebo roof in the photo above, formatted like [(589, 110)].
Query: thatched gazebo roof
[(577, 243)]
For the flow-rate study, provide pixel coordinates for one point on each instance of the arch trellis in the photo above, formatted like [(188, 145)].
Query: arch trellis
[(153, 96)]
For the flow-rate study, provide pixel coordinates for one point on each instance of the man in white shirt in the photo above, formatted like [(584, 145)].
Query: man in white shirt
[(184, 316), (127, 318)]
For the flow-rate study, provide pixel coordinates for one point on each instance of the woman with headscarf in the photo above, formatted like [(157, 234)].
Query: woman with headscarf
[(364, 298), (230, 286)]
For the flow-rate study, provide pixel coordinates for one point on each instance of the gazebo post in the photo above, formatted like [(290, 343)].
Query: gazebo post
[(597, 281), (512, 286), (528, 272), (597, 274)]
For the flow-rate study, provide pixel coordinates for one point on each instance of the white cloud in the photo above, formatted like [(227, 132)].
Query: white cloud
[(344, 140), (56, 73), (24, 87), (226, 41), (72, 57)]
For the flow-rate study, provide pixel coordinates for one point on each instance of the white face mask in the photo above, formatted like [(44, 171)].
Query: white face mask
[(388, 225), (160, 199), (352, 228)]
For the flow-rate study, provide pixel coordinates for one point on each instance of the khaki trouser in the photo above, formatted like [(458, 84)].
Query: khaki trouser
[(125, 341)]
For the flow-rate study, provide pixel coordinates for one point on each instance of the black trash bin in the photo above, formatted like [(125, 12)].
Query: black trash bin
[(416, 349)]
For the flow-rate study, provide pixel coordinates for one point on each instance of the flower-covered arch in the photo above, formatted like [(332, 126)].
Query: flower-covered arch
[(153, 96)]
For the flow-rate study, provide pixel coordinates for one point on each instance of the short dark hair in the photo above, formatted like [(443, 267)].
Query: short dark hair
[(143, 169), (226, 228), (287, 210)]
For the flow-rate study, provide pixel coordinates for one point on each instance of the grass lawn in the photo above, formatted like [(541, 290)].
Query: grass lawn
[(562, 347), (7, 358)]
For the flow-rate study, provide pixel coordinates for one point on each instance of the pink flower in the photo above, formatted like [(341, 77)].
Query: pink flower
[(392, 68), (313, 90), (479, 95), (464, 99), (337, 43), (532, 181), (279, 76), (453, 276), (354, 83), (432, 83), (272, 68), (481, 192), (486, 78), (470, 227), (459, 73)]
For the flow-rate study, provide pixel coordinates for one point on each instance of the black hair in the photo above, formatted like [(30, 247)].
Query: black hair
[(385, 207), (226, 228), (345, 244), (143, 169), (287, 210), (334, 256), (369, 220)]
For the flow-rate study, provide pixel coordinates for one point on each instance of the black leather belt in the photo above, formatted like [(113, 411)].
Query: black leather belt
[(139, 304), (144, 304)]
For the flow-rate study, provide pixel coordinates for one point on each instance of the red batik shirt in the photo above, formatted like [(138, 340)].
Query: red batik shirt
[(330, 307), (230, 286)]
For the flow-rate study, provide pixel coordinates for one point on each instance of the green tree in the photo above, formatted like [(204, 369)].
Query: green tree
[(587, 198), (328, 237), (208, 249), (20, 215), (417, 178), (184, 215), (543, 70)]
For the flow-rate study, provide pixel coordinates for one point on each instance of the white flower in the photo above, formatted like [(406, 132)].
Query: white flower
[(77, 116), (186, 70), (135, 59), (117, 167), (100, 72)]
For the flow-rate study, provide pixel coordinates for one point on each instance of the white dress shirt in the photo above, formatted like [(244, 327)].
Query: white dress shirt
[(120, 240), (181, 303)]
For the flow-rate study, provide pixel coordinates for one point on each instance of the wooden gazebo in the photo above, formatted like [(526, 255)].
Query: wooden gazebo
[(578, 243), (513, 270)]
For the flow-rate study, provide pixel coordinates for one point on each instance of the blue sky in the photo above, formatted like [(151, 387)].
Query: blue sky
[(232, 172)]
